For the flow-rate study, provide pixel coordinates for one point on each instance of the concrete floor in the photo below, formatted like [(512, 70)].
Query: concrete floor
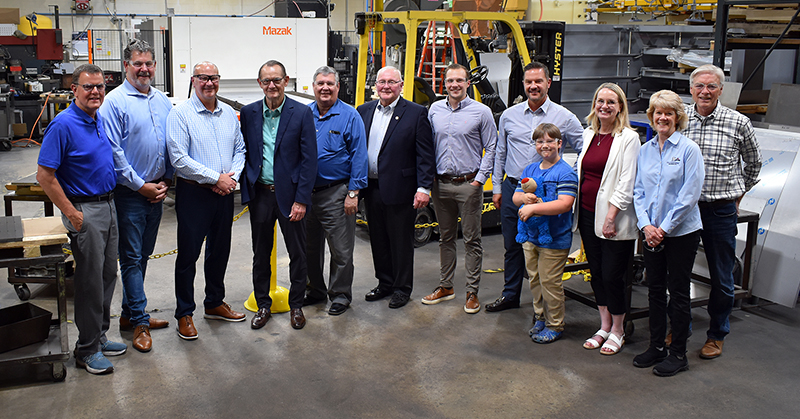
[(418, 361)]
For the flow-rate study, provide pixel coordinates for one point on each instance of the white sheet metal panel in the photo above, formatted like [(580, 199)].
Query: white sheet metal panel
[(240, 45), (776, 259)]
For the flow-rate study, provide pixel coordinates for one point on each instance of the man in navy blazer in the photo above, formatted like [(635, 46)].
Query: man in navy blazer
[(280, 170), (401, 170)]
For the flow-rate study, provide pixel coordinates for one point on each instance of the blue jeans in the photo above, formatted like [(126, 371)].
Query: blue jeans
[(138, 222), (719, 244), (514, 263)]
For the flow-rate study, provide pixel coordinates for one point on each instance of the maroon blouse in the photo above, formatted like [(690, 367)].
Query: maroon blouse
[(593, 165)]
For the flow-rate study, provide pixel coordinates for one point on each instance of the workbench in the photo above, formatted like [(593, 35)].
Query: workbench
[(700, 286), (41, 245)]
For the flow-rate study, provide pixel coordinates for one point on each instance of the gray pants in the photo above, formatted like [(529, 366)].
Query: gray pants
[(326, 218), (95, 251), (450, 199)]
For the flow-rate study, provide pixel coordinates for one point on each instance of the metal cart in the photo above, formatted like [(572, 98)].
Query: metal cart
[(55, 350)]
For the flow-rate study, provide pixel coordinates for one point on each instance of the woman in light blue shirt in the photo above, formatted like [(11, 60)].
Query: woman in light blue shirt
[(669, 180)]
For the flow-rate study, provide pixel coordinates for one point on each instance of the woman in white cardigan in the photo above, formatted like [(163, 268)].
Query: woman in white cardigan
[(604, 211)]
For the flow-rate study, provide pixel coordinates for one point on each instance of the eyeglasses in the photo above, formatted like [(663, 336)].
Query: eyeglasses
[(139, 64), (455, 81), (89, 87), (603, 102), (711, 87), (205, 78), (276, 80), (543, 142), (387, 82)]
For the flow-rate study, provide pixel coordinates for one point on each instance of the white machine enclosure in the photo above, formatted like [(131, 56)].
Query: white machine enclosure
[(775, 260), (240, 45)]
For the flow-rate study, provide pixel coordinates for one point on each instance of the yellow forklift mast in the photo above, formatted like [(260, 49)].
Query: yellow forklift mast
[(372, 23)]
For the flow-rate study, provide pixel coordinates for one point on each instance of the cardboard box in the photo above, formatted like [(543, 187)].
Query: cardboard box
[(9, 15), (20, 130), (22, 325)]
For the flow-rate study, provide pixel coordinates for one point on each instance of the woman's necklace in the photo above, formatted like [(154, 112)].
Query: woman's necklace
[(600, 138)]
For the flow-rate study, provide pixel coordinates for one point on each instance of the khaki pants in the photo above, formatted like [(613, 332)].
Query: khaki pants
[(545, 269)]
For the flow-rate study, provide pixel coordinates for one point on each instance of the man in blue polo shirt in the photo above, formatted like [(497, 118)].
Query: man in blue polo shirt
[(76, 171), (135, 119), (341, 173)]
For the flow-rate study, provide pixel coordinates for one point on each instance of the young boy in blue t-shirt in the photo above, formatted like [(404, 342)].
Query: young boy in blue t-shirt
[(545, 262)]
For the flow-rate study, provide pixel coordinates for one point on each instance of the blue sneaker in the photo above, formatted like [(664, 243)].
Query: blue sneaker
[(547, 335), (113, 348), (95, 364), (537, 328)]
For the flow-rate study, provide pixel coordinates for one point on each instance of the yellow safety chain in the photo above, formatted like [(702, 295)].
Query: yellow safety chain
[(175, 251)]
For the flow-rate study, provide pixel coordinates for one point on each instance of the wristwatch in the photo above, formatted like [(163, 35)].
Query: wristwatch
[(352, 194)]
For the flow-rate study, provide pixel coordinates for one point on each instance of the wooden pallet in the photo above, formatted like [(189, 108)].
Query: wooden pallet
[(25, 188), (780, 13)]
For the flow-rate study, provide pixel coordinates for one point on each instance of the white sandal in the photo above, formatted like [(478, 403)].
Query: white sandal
[(592, 343), (610, 350)]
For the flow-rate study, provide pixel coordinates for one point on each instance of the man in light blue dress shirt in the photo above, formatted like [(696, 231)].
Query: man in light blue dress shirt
[(135, 119), (515, 150), (206, 148), (464, 134)]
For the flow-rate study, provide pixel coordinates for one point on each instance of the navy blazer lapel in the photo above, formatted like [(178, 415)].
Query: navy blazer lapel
[(396, 115), (257, 119), (286, 115)]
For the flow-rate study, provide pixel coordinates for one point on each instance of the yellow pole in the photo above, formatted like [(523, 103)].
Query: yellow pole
[(279, 295)]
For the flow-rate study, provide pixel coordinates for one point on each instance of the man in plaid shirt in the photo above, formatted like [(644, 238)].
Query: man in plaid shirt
[(727, 140)]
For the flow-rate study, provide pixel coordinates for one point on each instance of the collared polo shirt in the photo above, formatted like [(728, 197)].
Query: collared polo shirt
[(76, 146)]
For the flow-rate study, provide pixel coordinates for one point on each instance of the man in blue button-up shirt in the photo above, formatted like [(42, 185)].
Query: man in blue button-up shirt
[(207, 150), (341, 173), (465, 135), (135, 119)]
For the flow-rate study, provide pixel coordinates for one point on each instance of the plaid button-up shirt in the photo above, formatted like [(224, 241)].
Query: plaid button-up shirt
[(727, 140)]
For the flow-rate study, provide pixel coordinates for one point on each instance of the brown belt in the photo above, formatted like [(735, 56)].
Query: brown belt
[(457, 179), (191, 182), (270, 188)]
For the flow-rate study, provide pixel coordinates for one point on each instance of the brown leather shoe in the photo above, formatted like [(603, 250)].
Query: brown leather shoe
[(472, 305), (186, 328), (712, 349), (438, 295), (297, 317), (125, 323), (261, 318), (224, 312), (141, 338)]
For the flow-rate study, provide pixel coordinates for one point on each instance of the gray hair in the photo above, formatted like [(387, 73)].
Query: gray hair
[(325, 70), (707, 69), (387, 68), (85, 68), (139, 45)]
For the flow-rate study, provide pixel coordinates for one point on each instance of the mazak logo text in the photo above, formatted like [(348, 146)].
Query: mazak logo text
[(269, 30)]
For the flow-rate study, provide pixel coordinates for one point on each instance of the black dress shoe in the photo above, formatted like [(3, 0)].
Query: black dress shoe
[(377, 293), (501, 304), (398, 300), (261, 318), (337, 309), (297, 317), (307, 300)]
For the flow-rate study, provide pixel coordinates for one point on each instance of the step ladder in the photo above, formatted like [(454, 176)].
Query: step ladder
[(437, 52)]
